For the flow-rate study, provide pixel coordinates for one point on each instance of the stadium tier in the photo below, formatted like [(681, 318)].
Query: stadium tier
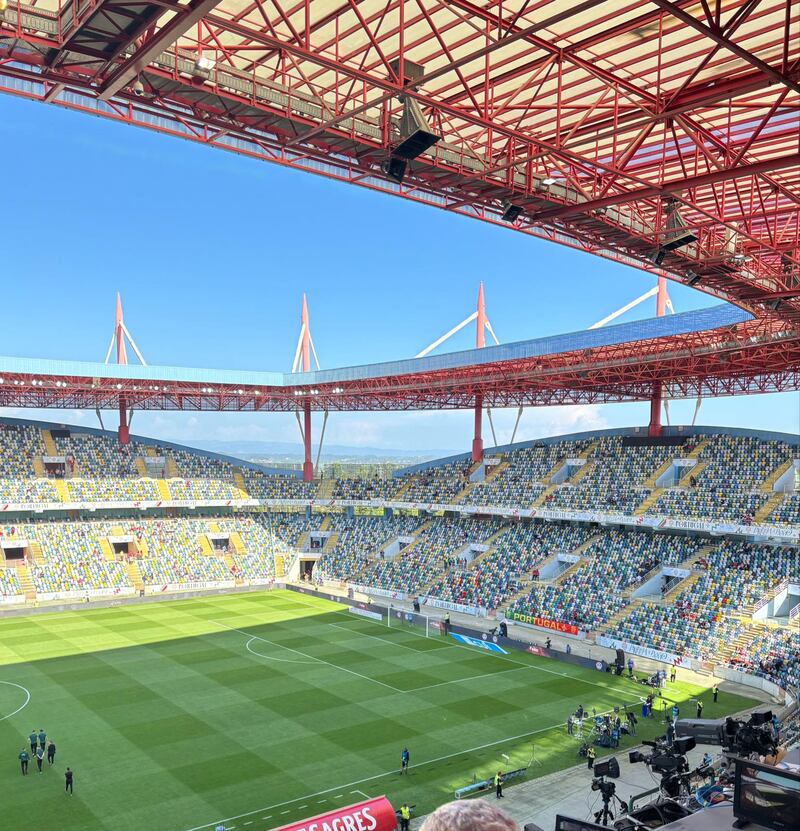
[(658, 575)]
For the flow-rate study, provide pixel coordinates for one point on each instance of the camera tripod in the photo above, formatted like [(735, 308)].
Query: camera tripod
[(608, 790)]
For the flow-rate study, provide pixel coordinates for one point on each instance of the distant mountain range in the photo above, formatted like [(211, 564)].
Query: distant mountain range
[(291, 451)]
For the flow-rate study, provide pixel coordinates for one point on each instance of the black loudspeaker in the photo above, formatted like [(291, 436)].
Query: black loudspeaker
[(620, 658), (395, 169)]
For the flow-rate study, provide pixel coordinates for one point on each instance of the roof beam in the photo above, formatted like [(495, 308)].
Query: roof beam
[(726, 43), (126, 72), (674, 186)]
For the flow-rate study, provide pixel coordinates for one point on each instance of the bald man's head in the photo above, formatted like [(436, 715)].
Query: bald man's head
[(469, 815)]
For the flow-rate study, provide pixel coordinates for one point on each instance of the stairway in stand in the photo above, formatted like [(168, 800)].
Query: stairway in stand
[(63, 491), (698, 449), (238, 481), (135, 575), (325, 488), (163, 490), (25, 581), (769, 507), (330, 543), (649, 501), (37, 555), (49, 444)]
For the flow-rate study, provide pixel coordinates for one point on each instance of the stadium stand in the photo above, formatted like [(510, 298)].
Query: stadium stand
[(9, 583), (707, 614), (359, 541), (506, 569), (589, 593), (437, 485), (436, 548)]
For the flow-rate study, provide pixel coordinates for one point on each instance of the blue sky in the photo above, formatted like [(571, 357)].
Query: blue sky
[(212, 252)]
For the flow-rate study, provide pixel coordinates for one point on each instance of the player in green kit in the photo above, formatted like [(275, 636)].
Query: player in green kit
[(34, 741), (42, 739), (24, 758)]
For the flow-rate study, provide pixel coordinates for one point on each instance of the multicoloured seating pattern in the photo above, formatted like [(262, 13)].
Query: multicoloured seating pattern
[(508, 568), (701, 619), (437, 485), (429, 555), (9, 583), (359, 541)]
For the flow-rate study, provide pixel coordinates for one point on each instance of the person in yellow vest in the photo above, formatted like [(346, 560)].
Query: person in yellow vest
[(591, 753), (405, 816), (498, 785)]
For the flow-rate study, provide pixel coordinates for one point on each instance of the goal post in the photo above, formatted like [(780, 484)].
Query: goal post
[(424, 625)]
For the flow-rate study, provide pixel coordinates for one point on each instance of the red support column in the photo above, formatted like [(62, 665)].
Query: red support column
[(480, 342), (477, 441), (123, 434), (308, 465), (654, 428)]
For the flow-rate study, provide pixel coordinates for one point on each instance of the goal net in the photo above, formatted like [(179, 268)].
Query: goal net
[(425, 625)]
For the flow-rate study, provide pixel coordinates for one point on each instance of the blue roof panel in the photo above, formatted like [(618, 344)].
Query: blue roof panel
[(684, 323)]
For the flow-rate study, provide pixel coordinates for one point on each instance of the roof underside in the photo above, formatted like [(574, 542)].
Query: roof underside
[(590, 116)]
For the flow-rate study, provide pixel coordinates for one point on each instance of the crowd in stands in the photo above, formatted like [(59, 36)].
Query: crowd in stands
[(614, 562), (773, 654), (366, 489), (437, 485), (185, 567), (92, 456), (360, 540), (614, 477), (412, 570), (728, 487), (261, 486), (112, 490), (506, 570), (203, 489), (19, 445), (734, 577)]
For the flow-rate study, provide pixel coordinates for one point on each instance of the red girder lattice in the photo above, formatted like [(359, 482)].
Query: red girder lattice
[(620, 104)]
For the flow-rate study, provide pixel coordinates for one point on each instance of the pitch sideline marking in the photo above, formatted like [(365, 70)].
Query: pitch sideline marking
[(379, 776), (24, 705), (306, 655)]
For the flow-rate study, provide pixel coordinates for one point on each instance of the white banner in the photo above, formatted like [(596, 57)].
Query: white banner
[(674, 571), (453, 607), (159, 588), (371, 590), (12, 598), (644, 651), (365, 613)]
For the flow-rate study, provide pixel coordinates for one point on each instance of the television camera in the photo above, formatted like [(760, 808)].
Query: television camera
[(668, 760), (736, 736), (608, 790)]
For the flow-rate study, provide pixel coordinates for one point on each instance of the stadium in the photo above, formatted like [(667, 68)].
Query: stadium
[(599, 626)]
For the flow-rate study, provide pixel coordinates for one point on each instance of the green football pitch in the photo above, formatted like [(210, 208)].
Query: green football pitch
[(261, 709)]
